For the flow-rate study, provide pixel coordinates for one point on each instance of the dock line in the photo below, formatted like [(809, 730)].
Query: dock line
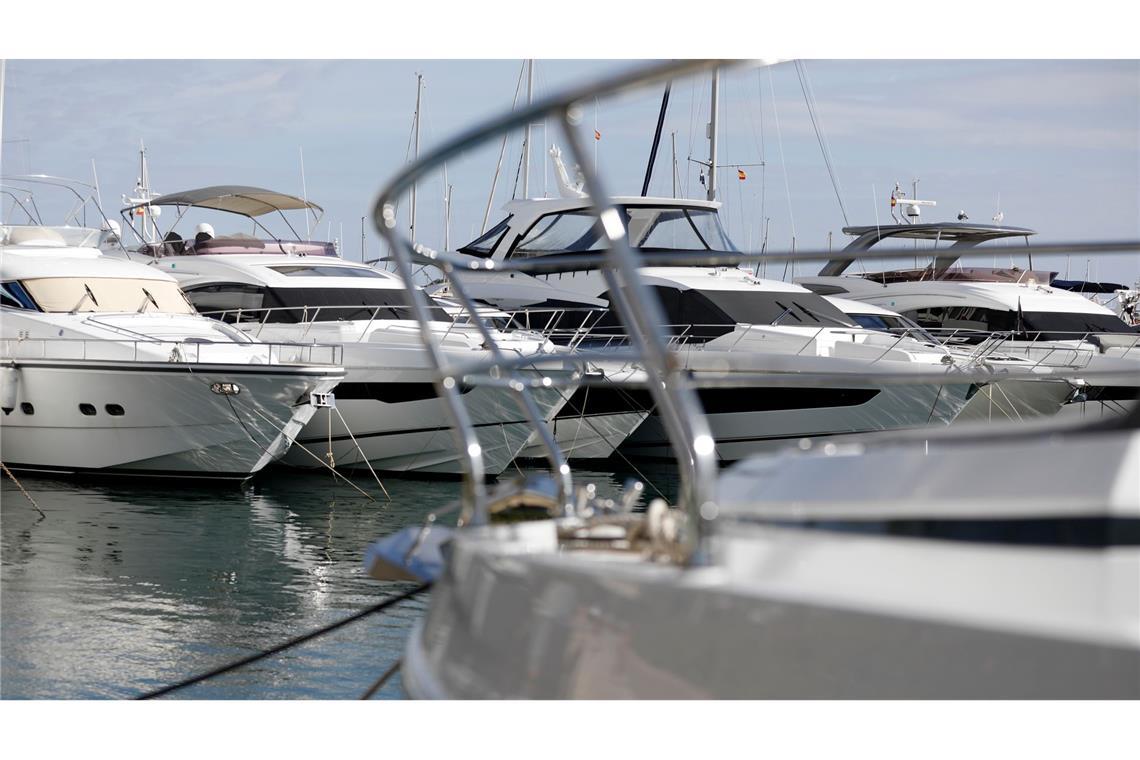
[(390, 601)]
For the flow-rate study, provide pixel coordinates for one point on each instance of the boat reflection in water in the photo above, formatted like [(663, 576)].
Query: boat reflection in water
[(122, 589)]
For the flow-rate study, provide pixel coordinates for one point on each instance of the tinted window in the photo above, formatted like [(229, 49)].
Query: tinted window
[(332, 304), (301, 270), (648, 227), (485, 243), (574, 231), (1032, 325), (707, 315)]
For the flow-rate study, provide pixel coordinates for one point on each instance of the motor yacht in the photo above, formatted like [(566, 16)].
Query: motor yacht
[(1036, 394), (107, 369), (721, 319), (387, 415), (924, 564), (1040, 322)]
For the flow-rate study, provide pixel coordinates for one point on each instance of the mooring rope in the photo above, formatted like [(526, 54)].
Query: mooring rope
[(20, 485), (390, 601), (383, 679)]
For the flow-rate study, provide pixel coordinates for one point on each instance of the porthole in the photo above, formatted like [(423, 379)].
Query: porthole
[(27, 408), (115, 410), (87, 409)]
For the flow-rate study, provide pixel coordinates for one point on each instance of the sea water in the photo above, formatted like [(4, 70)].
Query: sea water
[(128, 585)]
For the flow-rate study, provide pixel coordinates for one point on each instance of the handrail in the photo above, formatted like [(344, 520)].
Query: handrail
[(171, 351), (637, 306)]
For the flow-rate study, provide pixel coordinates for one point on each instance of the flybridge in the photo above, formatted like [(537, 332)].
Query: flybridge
[(959, 236), (242, 200)]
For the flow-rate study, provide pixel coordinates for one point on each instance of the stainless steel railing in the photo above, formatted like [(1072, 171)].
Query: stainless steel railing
[(634, 302), (171, 351)]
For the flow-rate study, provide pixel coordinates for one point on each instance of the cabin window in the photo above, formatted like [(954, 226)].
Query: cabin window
[(483, 245), (227, 296), (27, 408), (308, 270), (570, 232), (1029, 325), (13, 295), (647, 227), (115, 410), (705, 315), (684, 229), (293, 305), (87, 410)]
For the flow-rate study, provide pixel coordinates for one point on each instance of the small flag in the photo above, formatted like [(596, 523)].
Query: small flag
[(597, 135), (741, 175)]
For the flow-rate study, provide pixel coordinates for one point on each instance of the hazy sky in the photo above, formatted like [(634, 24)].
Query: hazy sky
[(1056, 143)]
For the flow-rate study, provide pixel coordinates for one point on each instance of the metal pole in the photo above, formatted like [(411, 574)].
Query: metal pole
[(447, 222), (419, 89), (526, 140), (712, 135), (673, 138), (656, 140)]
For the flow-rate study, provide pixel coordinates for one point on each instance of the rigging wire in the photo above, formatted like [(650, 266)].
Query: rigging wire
[(817, 125), (783, 166)]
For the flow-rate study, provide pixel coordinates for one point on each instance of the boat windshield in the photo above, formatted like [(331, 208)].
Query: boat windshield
[(97, 294), (38, 236), (239, 302), (668, 228), (892, 324)]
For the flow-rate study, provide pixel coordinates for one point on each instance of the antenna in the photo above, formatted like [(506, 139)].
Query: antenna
[(304, 191), (712, 134)]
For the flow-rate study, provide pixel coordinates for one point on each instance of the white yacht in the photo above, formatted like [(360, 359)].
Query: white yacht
[(387, 415), (108, 369), (914, 568), (906, 570), (1047, 325), (721, 319), (1035, 394)]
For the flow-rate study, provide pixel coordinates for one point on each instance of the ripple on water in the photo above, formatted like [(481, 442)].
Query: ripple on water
[(127, 586)]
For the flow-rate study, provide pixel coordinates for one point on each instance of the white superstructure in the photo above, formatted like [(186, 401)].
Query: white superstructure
[(722, 319), (1037, 321), (387, 415), (108, 369)]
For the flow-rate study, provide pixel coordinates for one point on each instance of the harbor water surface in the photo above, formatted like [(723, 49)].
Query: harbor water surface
[(126, 585)]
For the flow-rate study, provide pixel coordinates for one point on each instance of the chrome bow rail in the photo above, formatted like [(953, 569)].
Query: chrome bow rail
[(635, 303), (638, 308)]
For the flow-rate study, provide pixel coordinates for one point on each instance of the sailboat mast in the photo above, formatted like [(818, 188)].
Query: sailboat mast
[(712, 134), (526, 140), (419, 89), (150, 231), (673, 138)]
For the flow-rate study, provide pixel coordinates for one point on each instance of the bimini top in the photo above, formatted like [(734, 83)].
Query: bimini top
[(236, 199), (958, 235)]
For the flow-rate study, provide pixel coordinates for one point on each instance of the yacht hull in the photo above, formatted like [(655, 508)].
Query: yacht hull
[(753, 421), (392, 421), (1015, 400), (587, 436), (787, 617), (156, 419)]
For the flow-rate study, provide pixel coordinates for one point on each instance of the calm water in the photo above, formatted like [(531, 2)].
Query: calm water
[(126, 586)]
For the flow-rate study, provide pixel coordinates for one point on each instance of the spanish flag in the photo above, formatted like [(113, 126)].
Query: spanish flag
[(597, 135), (741, 175)]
